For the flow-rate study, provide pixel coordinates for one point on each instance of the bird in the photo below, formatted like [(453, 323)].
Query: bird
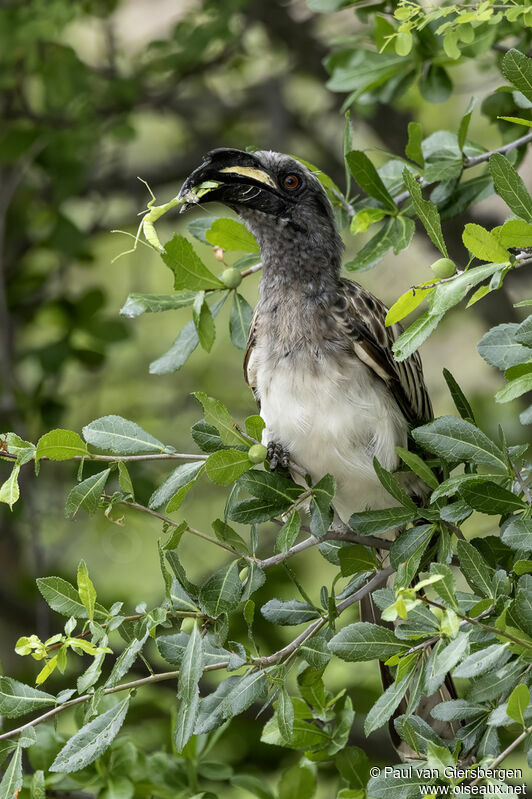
[(319, 357)]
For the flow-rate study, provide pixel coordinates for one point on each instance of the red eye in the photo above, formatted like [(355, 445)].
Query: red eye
[(291, 182)]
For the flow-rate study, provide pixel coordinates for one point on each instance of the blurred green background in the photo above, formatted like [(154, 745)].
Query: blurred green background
[(95, 94)]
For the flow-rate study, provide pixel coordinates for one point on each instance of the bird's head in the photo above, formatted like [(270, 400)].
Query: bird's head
[(280, 200)]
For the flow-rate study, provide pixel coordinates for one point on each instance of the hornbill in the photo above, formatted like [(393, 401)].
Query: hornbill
[(319, 358)]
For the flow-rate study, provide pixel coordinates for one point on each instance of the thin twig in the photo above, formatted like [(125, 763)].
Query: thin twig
[(504, 754), (156, 456)]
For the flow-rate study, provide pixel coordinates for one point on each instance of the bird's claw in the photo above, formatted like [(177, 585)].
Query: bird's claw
[(277, 456)]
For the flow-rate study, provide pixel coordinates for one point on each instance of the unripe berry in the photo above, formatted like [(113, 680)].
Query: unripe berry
[(443, 267), (187, 625), (232, 277), (257, 453), (243, 574)]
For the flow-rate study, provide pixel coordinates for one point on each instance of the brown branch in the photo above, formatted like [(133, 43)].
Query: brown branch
[(504, 754)]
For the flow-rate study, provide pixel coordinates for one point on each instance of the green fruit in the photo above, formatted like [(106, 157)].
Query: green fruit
[(187, 625), (232, 277), (443, 267), (243, 573), (257, 453)]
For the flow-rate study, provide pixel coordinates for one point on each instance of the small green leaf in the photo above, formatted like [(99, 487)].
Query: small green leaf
[(189, 271), (364, 641), (297, 782), (458, 440), (86, 590), (488, 497), (407, 303), (509, 185), (239, 321), (426, 211), (289, 612), (413, 148), (91, 741), (231, 235), (10, 491), (321, 514), (517, 68), (120, 436), (87, 494), (418, 466), (12, 779), (464, 123), (60, 445), (414, 336), (368, 178), (188, 691), (356, 558), (475, 569), (203, 322), (373, 522), (221, 593), (288, 533), (390, 482), (483, 244), (217, 415), (518, 702), (137, 304), (227, 465), (61, 596), (16, 699), (460, 400), (364, 218), (500, 348), (184, 475), (517, 533), (516, 387)]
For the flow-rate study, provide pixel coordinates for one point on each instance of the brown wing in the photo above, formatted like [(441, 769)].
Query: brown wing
[(362, 316), (249, 370)]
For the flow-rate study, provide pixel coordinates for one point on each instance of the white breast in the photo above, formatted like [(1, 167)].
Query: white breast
[(332, 420)]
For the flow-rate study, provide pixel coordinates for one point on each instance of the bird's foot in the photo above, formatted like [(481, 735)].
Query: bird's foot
[(277, 455)]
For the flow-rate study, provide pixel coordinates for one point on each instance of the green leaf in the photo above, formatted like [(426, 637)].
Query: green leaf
[(356, 558), (316, 651), (9, 491), (254, 426), (464, 123), (86, 590), (458, 440), (413, 148), (392, 486), (239, 321), (254, 785), (459, 398), (447, 295), (217, 415), (364, 218), (288, 533), (221, 593), (61, 596), (120, 436), (250, 688), (435, 86), (492, 685), (418, 466), (184, 475), (414, 336), (515, 233), (189, 271), (516, 387), (410, 542), (137, 304), (321, 514), (297, 782), (396, 786), (87, 494), (385, 705), (517, 68), (517, 533), (12, 779), (481, 661), (289, 612), (488, 497), (188, 690), (285, 713), (368, 178), (518, 702), (270, 486), (203, 322), (483, 244), (445, 588), (353, 764), (373, 522), (179, 352), (255, 511), (500, 348), (475, 569), (457, 709), (60, 445), (396, 232), (523, 603), (426, 211), (226, 465), (231, 235), (365, 70), (16, 699), (226, 534), (509, 185), (364, 641), (91, 741)]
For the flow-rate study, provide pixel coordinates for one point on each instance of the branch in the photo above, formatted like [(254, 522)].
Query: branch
[(376, 581), (313, 628), (156, 456), (469, 162), (504, 754), (475, 620), (332, 535)]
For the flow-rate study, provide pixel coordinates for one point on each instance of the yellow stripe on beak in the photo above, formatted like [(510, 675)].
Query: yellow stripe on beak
[(250, 172)]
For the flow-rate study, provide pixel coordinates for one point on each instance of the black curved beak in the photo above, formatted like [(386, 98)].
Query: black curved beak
[(242, 180)]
